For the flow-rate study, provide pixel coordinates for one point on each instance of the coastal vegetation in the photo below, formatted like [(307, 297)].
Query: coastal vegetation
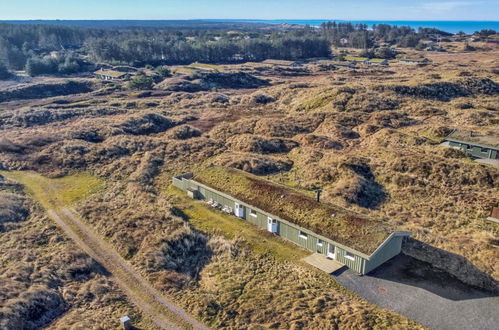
[(367, 135)]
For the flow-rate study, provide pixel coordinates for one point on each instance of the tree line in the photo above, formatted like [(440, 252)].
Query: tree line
[(29, 46), (346, 34)]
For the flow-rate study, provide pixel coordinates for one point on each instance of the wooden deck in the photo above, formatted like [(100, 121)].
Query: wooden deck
[(321, 262)]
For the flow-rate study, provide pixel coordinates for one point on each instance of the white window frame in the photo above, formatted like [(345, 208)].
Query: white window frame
[(253, 213), (349, 255), (302, 234), (320, 242)]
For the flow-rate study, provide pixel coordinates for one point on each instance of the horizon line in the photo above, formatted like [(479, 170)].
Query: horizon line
[(238, 19)]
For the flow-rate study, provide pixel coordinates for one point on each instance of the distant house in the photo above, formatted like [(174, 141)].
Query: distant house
[(343, 41), (110, 74), (350, 239), (377, 61), (414, 61), (494, 215), (366, 61), (474, 145), (55, 54)]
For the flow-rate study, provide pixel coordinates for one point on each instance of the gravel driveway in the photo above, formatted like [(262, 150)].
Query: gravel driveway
[(426, 295)]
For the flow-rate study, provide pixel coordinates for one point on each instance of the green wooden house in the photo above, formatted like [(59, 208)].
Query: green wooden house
[(474, 145), (351, 239)]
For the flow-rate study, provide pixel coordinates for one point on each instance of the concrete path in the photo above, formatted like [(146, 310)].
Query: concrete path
[(426, 295), (493, 162)]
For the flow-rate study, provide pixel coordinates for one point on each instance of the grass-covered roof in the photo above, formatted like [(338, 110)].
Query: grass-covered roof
[(110, 73), (473, 138), (353, 230)]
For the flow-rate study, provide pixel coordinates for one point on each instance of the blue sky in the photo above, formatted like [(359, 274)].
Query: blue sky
[(251, 9)]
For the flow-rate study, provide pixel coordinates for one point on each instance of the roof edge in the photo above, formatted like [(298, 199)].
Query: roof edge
[(472, 143), (388, 239)]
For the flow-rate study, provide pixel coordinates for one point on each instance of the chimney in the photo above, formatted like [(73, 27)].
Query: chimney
[(318, 195)]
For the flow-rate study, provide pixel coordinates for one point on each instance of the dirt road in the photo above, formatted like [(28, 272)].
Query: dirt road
[(162, 311)]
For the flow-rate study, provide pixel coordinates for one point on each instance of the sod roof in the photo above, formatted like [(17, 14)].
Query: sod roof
[(350, 229), (473, 138), (110, 73), (278, 62)]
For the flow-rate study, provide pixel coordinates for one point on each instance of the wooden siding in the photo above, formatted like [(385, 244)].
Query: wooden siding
[(388, 251), (291, 232), (475, 151), (179, 183)]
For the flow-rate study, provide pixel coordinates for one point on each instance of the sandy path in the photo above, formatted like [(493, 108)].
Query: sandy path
[(163, 312)]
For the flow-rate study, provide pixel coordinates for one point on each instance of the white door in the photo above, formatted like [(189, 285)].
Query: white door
[(239, 210), (331, 251), (272, 225)]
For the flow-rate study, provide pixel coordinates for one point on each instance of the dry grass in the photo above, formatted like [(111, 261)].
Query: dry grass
[(352, 136), (48, 282)]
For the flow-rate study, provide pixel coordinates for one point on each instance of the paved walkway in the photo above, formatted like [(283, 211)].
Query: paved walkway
[(426, 295), (493, 162)]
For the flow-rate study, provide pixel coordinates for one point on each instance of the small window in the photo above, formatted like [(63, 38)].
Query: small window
[(302, 235), (253, 213), (349, 255), (484, 150), (320, 242)]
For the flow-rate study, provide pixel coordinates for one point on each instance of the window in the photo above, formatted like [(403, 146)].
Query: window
[(349, 255), (253, 213), (302, 234), (319, 242)]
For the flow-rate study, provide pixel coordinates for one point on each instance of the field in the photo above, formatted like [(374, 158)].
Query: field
[(369, 137)]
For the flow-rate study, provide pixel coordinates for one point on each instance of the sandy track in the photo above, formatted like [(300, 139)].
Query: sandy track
[(164, 313)]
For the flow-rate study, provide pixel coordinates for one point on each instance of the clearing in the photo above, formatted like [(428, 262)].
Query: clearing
[(56, 196)]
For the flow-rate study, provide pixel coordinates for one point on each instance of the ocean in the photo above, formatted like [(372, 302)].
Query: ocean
[(448, 26)]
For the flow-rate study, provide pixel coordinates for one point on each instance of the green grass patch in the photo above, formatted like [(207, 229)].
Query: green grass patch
[(62, 191), (207, 219), (185, 70), (205, 66), (317, 101), (256, 64), (355, 58)]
